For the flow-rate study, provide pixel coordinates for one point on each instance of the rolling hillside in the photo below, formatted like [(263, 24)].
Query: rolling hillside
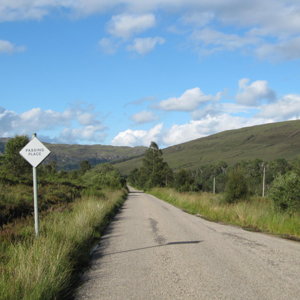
[(70, 156), (267, 142)]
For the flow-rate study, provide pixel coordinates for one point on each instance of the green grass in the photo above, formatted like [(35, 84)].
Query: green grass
[(255, 214), (41, 268), (16, 200)]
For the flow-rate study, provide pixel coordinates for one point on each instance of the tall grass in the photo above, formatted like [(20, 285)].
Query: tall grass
[(255, 214), (40, 268)]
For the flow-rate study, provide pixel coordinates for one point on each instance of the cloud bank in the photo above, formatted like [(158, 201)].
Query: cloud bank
[(269, 29), (77, 124), (256, 103)]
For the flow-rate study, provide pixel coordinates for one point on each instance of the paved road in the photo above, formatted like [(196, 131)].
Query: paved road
[(153, 250)]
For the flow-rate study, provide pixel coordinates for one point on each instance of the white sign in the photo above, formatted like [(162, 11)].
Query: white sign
[(35, 152)]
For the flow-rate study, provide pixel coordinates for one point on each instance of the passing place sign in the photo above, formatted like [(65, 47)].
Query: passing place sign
[(35, 152)]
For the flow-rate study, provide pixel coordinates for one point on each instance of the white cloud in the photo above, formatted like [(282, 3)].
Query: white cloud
[(141, 101), (198, 18), (188, 101), (259, 21), (21, 10), (180, 133), (89, 133), (75, 124), (108, 45), (218, 108), (252, 94), (8, 47), (287, 108), (283, 50), (268, 17), (216, 117), (214, 41), (138, 137), (145, 45), (143, 117), (126, 25), (200, 128)]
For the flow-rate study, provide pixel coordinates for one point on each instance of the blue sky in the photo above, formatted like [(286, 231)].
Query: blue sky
[(126, 72)]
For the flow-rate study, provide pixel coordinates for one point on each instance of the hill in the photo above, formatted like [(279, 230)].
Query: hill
[(69, 156), (267, 142)]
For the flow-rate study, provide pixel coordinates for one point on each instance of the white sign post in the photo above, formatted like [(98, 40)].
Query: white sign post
[(35, 152)]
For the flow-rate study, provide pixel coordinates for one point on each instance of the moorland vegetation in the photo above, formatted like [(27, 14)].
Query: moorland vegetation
[(74, 207)]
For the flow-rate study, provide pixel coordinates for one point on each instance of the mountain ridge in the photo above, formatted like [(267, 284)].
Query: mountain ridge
[(266, 142)]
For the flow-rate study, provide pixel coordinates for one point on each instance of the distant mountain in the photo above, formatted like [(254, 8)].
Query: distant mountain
[(69, 156), (267, 142)]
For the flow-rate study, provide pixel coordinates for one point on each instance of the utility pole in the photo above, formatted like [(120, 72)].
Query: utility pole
[(214, 185), (264, 180)]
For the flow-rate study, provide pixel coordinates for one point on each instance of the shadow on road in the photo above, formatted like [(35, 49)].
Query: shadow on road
[(135, 192), (100, 254)]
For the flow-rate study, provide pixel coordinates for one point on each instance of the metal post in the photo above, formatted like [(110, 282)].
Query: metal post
[(35, 196), (264, 181), (35, 199), (214, 185)]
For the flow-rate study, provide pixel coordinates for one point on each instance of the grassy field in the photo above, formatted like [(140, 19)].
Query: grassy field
[(266, 142), (42, 268), (256, 214)]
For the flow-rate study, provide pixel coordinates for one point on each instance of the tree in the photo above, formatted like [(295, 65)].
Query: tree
[(236, 186), (154, 171), (253, 171), (85, 166), (285, 192), (277, 167), (13, 162), (184, 181), (103, 175), (134, 177)]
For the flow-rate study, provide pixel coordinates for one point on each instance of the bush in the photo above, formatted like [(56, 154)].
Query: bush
[(285, 192), (103, 176), (236, 186), (184, 181)]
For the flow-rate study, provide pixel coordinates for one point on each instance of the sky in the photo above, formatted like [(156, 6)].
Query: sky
[(128, 72)]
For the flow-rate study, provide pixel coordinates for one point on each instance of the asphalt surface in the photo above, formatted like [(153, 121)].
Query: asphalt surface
[(153, 250)]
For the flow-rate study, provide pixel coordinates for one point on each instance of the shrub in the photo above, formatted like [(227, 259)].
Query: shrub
[(104, 175), (236, 186), (285, 192)]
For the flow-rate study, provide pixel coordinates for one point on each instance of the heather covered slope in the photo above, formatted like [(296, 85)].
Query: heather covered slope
[(266, 142)]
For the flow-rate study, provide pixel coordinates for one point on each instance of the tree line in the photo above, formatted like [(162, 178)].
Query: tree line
[(278, 179)]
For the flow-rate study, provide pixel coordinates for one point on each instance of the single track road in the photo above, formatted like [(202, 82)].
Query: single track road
[(153, 250)]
